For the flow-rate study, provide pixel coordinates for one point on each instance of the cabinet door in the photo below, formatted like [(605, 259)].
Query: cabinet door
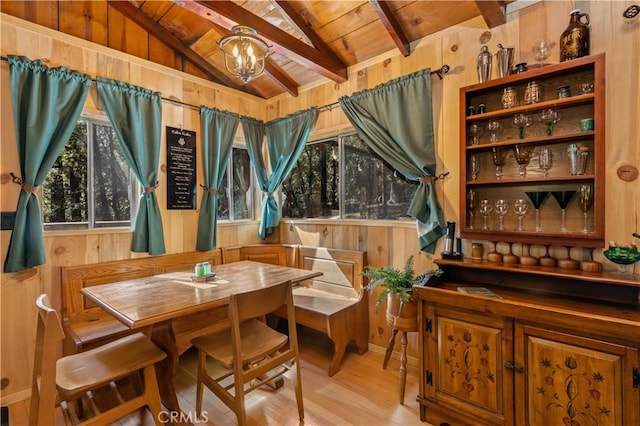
[(469, 375), (571, 380)]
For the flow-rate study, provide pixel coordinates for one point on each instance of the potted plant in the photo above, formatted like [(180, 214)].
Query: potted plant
[(397, 285)]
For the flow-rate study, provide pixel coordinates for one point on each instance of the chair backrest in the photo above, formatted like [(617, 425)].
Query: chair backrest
[(43, 387), (257, 303)]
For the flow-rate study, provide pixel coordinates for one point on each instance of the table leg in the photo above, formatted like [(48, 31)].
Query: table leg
[(403, 366), (166, 370), (390, 345)]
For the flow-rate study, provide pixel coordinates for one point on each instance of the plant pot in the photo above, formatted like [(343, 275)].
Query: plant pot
[(407, 319)]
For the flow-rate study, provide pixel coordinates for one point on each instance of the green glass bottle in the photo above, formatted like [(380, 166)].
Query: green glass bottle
[(574, 41)]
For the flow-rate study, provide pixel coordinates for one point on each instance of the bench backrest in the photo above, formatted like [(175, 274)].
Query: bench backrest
[(75, 278), (275, 254), (341, 269)]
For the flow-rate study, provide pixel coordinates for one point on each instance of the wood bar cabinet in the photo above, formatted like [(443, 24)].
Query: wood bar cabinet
[(551, 348)]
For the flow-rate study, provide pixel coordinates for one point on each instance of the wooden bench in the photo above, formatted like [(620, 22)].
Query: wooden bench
[(87, 326), (275, 254), (334, 303)]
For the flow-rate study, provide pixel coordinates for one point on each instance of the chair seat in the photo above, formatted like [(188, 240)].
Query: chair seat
[(258, 340), (81, 372)]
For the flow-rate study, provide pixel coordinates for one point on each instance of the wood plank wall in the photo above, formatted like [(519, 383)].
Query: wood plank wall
[(385, 244)]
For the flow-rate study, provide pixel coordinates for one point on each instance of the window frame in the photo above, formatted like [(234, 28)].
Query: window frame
[(229, 191), (93, 118)]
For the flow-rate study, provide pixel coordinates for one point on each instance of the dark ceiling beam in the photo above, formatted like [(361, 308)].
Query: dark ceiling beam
[(305, 27), (220, 12), (493, 12), (392, 26), (281, 78), (152, 27)]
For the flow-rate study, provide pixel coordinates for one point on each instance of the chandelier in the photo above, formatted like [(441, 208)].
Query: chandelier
[(244, 52)]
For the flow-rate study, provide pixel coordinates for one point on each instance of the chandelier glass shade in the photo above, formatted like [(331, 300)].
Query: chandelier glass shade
[(244, 52)]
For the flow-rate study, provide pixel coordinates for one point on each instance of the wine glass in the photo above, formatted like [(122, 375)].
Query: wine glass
[(498, 155), (474, 166), (537, 198), (520, 207), (472, 204), (522, 154), (495, 128), (549, 117), (485, 210), (521, 122), (586, 202), (475, 130), (563, 198), (545, 160), (541, 52), (501, 206)]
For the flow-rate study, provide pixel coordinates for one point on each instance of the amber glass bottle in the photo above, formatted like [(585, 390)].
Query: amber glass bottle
[(574, 42)]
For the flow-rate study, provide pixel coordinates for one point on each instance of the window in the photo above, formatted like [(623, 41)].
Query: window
[(342, 178), (90, 185), (241, 182)]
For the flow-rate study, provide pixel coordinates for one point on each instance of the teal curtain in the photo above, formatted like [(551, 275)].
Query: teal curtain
[(395, 120), (46, 105), (218, 129), (286, 138), (136, 116)]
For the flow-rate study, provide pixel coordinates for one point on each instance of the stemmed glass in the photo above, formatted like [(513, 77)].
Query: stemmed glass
[(472, 204), (498, 155), (501, 207), (495, 128), (521, 122), (563, 198), (485, 210), (545, 160), (586, 202), (475, 130), (541, 52), (522, 153), (520, 208), (537, 198), (474, 166), (549, 117)]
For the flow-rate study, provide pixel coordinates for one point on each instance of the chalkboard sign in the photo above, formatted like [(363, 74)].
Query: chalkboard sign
[(181, 169)]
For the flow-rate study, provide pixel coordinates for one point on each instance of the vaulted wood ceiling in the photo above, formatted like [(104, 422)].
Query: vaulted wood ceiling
[(309, 40)]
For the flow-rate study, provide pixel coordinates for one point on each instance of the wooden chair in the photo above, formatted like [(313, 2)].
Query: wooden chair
[(253, 353), (62, 382)]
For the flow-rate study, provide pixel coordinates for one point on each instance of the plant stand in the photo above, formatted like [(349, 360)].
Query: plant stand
[(406, 322)]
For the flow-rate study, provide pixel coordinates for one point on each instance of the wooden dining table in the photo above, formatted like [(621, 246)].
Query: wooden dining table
[(155, 302)]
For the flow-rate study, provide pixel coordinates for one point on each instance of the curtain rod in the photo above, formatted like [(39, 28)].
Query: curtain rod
[(440, 72), (328, 107)]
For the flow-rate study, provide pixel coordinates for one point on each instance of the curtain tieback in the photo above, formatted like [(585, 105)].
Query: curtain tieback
[(429, 179), (268, 194), (212, 191), (148, 189), (27, 187)]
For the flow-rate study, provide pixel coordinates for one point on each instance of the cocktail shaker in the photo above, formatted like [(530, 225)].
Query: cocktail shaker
[(484, 65), (505, 60), (449, 237)]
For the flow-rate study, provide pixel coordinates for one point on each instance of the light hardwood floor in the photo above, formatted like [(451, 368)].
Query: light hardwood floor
[(362, 393)]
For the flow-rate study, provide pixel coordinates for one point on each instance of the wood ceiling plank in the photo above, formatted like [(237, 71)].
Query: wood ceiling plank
[(152, 27), (283, 43), (124, 35), (391, 24)]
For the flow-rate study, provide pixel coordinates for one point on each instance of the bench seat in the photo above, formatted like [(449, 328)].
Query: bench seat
[(87, 326), (334, 303)]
